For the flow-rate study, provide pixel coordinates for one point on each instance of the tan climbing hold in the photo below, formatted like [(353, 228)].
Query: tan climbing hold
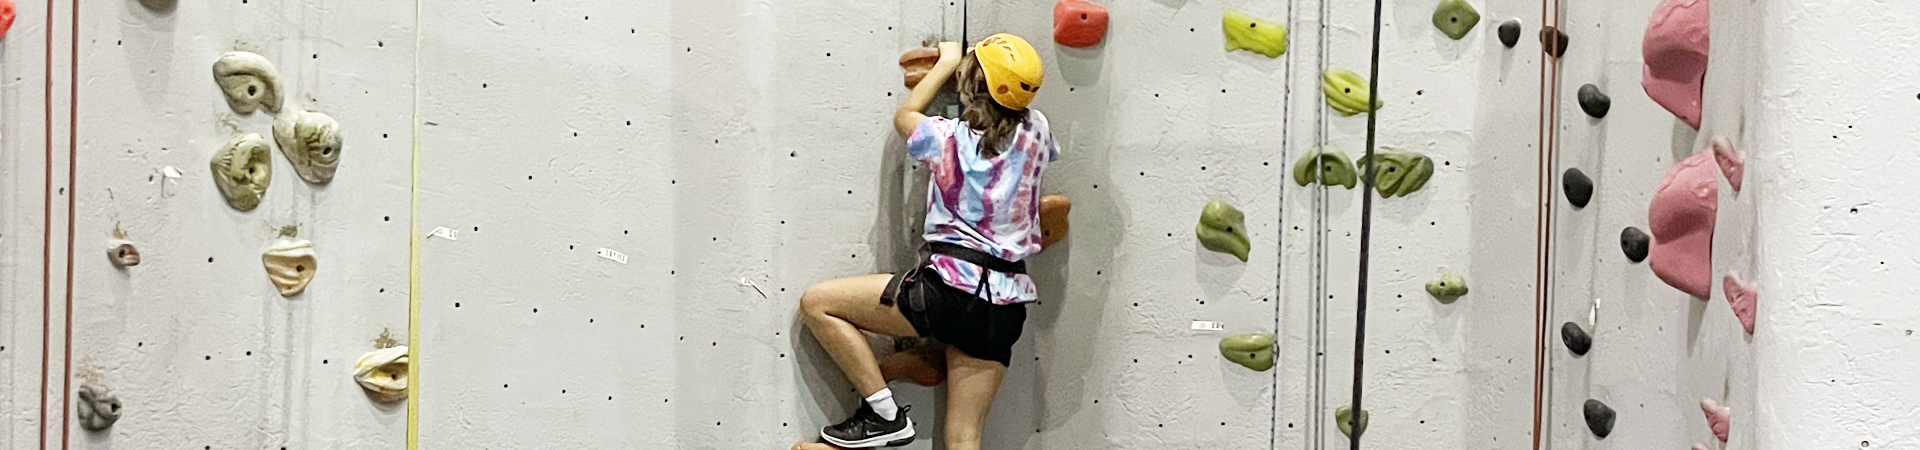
[(311, 142), (383, 373), (249, 81), (290, 264)]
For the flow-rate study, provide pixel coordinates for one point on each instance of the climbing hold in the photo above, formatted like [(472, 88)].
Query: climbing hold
[(383, 373), (1447, 286), (1742, 295), (1455, 18), (1255, 351), (1332, 165), (1633, 242), (1245, 32), (6, 17), (290, 265), (1053, 219), (1510, 32), (1578, 187), (917, 62), (1553, 41), (1594, 102), (1680, 216), (1576, 339), (243, 170), (1077, 23), (1733, 164), (311, 142), (1344, 417), (1398, 173), (97, 408), (1599, 418), (1223, 229), (1346, 91), (1674, 53), (249, 82), (1719, 417), (159, 5), (122, 253)]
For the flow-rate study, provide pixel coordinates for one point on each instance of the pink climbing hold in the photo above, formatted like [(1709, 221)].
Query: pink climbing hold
[(1077, 23), (1718, 417), (1680, 217), (1742, 295), (6, 17), (1733, 164), (1674, 52)]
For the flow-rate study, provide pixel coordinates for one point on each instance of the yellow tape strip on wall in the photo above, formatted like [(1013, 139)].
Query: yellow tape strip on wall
[(413, 254)]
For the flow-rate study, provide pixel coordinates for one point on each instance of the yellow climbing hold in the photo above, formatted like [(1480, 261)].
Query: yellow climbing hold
[(1346, 91), (1245, 32)]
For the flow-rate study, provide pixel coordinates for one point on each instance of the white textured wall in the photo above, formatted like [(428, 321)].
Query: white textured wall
[(195, 341), (1441, 375), (1835, 350), (23, 199), (760, 148)]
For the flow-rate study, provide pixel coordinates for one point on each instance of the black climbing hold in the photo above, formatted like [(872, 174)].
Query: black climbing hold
[(1634, 243), (1576, 339), (1599, 418), (1594, 102), (1510, 32), (1553, 41), (1579, 188)]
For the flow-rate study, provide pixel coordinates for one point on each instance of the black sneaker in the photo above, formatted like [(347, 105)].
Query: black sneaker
[(866, 429)]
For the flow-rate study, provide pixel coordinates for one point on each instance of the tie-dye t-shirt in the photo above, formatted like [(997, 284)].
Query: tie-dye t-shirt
[(986, 204)]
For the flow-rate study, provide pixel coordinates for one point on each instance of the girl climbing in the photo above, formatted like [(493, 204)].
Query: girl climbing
[(970, 292)]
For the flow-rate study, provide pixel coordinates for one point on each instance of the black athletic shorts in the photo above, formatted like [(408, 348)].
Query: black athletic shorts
[(974, 325)]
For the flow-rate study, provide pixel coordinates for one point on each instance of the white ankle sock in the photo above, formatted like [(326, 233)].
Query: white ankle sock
[(882, 403)]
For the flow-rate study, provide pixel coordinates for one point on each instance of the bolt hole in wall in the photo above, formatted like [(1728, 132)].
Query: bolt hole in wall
[(794, 77)]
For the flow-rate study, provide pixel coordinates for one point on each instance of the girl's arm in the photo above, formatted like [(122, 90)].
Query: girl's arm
[(910, 113)]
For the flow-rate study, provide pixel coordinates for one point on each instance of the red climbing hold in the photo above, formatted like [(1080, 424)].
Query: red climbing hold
[(1744, 297), (6, 17), (1674, 51), (1681, 218), (1077, 23)]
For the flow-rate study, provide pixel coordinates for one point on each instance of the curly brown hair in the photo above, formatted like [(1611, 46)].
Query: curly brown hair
[(995, 122)]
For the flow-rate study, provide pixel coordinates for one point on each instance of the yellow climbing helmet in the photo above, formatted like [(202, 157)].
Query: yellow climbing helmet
[(1012, 68)]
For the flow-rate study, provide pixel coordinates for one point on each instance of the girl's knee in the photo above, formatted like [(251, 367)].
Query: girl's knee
[(815, 300)]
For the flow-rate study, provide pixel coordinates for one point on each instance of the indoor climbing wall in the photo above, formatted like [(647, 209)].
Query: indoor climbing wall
[(1656, 350), (1442, 370), (173, 310), (1154, 123), (24, 196), (736, 153)]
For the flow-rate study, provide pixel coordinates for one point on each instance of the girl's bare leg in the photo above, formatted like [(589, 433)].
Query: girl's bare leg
[(971, 384), (836, 310)]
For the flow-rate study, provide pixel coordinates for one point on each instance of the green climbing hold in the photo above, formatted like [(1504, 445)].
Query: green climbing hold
[(1447, 286), (1399, 173), (1255, 351), (1245, 32), (1346, 91), (1344, 416), (1455, 18), (1333, 166), (1223, 229)]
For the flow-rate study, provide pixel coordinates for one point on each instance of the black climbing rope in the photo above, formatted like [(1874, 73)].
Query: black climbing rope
[(1366, 236)]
